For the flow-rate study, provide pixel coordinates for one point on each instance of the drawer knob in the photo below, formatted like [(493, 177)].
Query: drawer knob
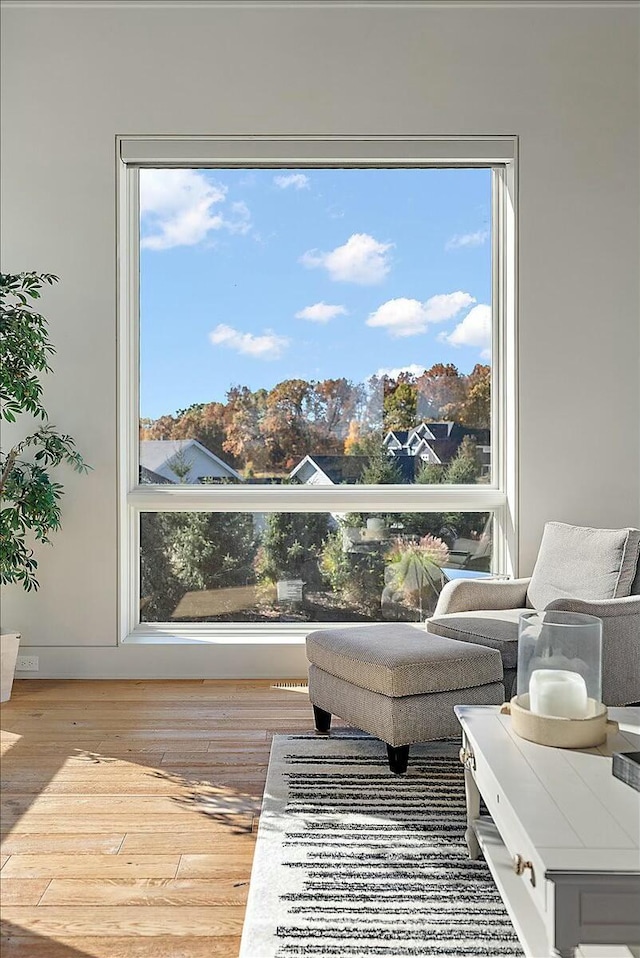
[(520, 866), (467, 758)]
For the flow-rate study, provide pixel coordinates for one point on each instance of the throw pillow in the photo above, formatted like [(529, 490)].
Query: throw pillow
[(582, 563)]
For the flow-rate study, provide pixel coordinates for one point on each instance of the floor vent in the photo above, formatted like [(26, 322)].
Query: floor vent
[(301, 684)]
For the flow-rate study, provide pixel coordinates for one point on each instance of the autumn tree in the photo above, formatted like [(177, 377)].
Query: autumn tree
[(285, 428), (161, 428), (476, 408), (353, 438), (441, 390), (330, 406), (243, 438)]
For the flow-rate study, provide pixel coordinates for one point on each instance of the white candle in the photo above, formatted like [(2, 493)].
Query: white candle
[(558, 692)]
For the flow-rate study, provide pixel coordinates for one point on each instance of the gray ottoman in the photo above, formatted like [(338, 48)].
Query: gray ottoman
[(399, 683)]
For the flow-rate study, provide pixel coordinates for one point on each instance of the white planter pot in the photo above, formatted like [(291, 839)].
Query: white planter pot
[(9, 643)]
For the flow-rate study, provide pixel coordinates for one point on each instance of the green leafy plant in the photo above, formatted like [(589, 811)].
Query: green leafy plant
[(29, 496)]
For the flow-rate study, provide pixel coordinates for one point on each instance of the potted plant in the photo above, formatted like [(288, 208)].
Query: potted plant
[(29, 494)]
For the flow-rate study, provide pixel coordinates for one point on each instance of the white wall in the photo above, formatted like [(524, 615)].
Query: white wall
[(564, 79)]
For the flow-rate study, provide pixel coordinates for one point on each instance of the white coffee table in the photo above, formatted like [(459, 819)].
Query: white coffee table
[(563, 837)]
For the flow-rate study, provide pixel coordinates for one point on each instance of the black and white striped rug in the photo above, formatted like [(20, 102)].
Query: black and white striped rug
[(354, 861)]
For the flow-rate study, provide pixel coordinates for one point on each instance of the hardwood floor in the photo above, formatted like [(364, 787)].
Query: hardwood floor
[(129, 814)]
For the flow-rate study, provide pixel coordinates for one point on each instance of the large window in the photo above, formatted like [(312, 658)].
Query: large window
[(318, 378), (304, 567)]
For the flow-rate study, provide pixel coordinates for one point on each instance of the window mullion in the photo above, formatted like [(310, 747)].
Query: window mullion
[(330, 499)]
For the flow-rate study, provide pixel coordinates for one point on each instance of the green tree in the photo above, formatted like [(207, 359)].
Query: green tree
[(160, 588), (465, 467), (430, 473), (291, 545), (400, 406), (356, 577), (190, 552), (180, 465), (381, 470), (211, 550)]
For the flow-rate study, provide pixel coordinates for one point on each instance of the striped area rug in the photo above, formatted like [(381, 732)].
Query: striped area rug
[(354, 861)]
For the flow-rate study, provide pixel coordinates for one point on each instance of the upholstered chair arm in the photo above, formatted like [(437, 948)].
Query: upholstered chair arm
[(603, 608), (470, 595), (620, 644)]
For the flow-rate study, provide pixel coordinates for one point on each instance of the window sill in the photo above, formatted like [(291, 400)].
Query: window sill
[(260, 633)]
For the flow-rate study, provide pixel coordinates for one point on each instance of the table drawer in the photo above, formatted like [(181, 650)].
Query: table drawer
[(526, 862)]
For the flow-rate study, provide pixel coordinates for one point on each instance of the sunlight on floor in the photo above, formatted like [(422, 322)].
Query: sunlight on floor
[(293, 686), (8, 740)]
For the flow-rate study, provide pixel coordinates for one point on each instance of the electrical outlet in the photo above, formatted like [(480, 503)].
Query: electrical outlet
[(27, 663)]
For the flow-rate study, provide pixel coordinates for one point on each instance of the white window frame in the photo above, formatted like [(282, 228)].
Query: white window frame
[(500, 497)]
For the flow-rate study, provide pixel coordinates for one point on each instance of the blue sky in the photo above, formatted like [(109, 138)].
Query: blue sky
[(251, 277)]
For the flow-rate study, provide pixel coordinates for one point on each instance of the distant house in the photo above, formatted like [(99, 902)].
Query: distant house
[(437, 442), (428, 442), (181, 460), (341, 470)]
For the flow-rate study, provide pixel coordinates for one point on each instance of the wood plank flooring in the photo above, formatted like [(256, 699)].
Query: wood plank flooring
[(129, 813)]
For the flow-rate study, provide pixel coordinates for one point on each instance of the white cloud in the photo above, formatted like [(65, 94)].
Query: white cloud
[(321, 312), (267, 346), (408, 317), (240, 220), (467, 239), (361, 260), (181, 208), (296, 180), (474, 330), (414, 369)]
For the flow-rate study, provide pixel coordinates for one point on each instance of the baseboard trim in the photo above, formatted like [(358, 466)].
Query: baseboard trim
[(178, 661)]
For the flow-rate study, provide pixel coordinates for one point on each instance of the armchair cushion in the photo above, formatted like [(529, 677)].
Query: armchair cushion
[(493, 628), (582, 563)]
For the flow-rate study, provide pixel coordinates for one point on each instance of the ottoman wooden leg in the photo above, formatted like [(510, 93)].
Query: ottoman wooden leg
[(398, 758), (322, 719)]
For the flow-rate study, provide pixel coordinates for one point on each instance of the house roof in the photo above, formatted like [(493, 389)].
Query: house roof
[(149, 477), (156, 453), (339, 469), (400, 435), (445, 449), (481, 436), (439, 430)]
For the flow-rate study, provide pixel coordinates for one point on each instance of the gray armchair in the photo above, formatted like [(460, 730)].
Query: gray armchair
[(596, 571)]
